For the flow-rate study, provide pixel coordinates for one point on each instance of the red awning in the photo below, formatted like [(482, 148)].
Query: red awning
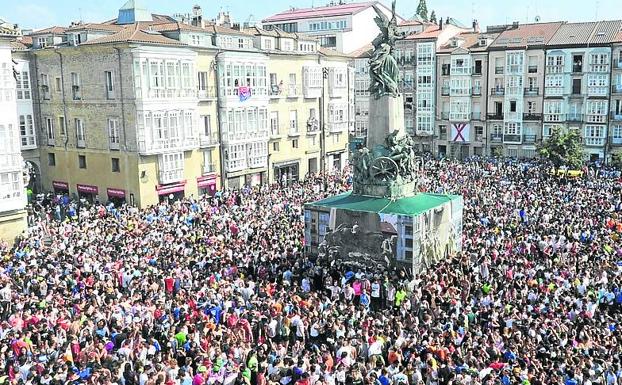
[(208, 181), (164, 189), (60, 185), (115, 192), (88, 189)]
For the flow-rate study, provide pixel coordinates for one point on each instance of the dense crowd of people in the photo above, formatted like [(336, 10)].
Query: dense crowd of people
[(216, 290)]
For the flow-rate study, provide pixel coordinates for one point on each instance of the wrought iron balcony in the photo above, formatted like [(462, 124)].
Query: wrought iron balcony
[(511, 138), (532, 116), (496, 138), (532, 91), (574, 117), (499, 91), (494, 116), (529, 138)]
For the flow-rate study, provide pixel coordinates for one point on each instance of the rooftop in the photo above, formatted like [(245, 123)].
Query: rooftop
[(135, 33), (524, 35), (600, 32), (326, 11)]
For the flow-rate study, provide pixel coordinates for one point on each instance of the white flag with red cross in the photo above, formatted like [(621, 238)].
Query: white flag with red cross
[(460, 132)]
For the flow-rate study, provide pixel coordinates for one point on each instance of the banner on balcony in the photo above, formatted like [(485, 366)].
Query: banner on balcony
[(244, 92), (460, 132)]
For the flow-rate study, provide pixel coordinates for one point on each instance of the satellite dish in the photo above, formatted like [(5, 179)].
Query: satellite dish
[(537, 19)]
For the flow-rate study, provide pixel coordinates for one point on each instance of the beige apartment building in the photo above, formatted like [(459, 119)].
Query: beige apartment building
[(615, 117), (462, 68)]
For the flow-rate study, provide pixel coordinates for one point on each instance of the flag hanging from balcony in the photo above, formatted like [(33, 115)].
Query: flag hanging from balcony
[(460, 132), (244, 92)]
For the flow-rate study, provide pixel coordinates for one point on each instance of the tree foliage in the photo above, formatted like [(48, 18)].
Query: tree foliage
[(433, 17), (563, 148), (422, 10)]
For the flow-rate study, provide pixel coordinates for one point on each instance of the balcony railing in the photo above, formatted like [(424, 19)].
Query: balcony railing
[(532, 69), (81, 143), (338, 127), (554, 117), (594, 141), (499, 91), (532, 91), (294, 91), (496, 138), (51, 141), (114, 144), (170, 176), (529, 138), (532, 116), (476, 115), (577, 68), (445, 115), (511, 138), (445, 91), (494, 116), (211, 139), (276, 91), (315, 92), (615, 141), (574, 117), (616, 115), (477, 91), (209, 168), (616, 88), (207, 93), (499, 70)]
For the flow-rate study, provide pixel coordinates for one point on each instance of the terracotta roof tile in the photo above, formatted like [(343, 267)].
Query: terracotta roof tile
[(606, 31), (176, 26), (363, 52), (526, 35), (470, 42), (95, 27), (52, 30), (331, 52), (430, 32), (135, 33)]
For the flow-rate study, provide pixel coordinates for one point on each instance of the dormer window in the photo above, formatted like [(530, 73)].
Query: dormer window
[(483, 42), (42, 42)]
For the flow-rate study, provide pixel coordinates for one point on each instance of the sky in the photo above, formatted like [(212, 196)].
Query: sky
[(44, 13)]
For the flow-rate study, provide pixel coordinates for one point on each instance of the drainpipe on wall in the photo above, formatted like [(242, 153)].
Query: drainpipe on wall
[(121, 96), (62, 87)]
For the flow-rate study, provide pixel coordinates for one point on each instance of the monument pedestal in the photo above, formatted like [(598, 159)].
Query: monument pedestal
[(386, 114)]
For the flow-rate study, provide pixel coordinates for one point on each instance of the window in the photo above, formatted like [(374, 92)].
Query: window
[(267, 44), (207, 125), (512, 105), (555, 64), (27, 131), (274, 123), (75, 86), (42, 42), (295, 143), (594, 135), (275, 146), (531, 107), (479, 130), (49, 127), (23, 85), (599, 62), (202, 81), (113, 134), (116, 167), (62, 126), (45, 87), (109, 84), (82, 161), (478, 67), (80, 135), (553, 111), (58, 85), (51, 159), (293, 122)]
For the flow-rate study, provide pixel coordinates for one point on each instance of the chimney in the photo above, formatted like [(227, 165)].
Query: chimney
[(476, 26), (515, 25), (440, 23)]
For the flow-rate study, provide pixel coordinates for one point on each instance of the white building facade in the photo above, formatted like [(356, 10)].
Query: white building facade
[(12, 191)]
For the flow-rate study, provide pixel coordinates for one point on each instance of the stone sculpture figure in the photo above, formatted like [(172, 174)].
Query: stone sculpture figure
[(384, 70)]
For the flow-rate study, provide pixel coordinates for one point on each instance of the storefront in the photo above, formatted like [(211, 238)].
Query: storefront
[(207, 185), (171, 191), (88, 192), (116, 196), (254, 179), (60, 188), (287, 173)]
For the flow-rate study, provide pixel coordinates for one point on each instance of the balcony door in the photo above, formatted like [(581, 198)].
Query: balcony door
[(576, 86)]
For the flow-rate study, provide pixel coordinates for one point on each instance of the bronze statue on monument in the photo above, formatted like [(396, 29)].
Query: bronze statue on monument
[(385, 74)]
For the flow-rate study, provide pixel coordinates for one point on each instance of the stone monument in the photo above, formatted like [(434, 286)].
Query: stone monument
[(387, 166), (384, 220)]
